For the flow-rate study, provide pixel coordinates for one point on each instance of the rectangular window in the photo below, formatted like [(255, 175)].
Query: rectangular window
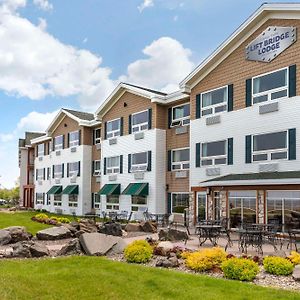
[(270, 86), (58, 142), (180, 201), (73, 200), (112, 202), (74, 169), (113, 165), (40, 174), (39, 198), (97, 201), (48, 173), (181, 115), (181, 159), (138, 203), (41, 150), (57, 200), (270, 146), (214, 153), (58, 171), (113, 128), (97, 136), (74, 138), (48, 199), (214, 101), (140, 121), (97, 168), (139, 162)]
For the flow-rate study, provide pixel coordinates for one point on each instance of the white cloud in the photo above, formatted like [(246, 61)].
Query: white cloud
[(145, 4), (10, 6), (43, 4), (167, 63), (42, 24)]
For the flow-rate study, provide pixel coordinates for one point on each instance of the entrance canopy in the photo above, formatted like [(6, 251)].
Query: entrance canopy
[(71, 190), (55, 190), (137, 189), (110, 189)]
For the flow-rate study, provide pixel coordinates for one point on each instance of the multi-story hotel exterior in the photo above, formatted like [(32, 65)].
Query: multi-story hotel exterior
[(224, 145)]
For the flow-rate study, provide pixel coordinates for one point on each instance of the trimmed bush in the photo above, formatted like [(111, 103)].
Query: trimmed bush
[(294, 258), (278, 265), (63, 220), (205, 260), (138, 252), (240, 269), (41, 217)]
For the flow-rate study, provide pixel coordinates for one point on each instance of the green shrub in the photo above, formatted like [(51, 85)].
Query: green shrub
[(240, 269), (138, 252), (54, 219), (41, 217), (278, 265), (204, 260), (63, 220)]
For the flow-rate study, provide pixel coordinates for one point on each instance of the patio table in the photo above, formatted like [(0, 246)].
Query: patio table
[(251, 237), (293, 233), (208, 232)]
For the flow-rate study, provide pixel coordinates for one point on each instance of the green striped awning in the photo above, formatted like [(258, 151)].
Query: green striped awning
[(71, 190), (55, 190), (137, 189), (110, 189)]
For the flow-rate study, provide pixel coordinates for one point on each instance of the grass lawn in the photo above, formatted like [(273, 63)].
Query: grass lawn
[(98, 278)]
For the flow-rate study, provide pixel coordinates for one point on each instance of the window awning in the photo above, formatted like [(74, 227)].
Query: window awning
[(110, 189), (137, 189), (55, 190), (71, 190)]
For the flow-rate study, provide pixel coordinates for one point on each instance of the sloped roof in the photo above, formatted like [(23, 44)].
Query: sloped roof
[(28, 137), (80, 114), (146, 89)]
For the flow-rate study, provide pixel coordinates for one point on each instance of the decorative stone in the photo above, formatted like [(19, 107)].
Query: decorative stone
[(111, 228), (5, 237), (72, 248), (172, 235), (38, 250), (165, 246), (54, 233), (296, 273), (18, 234), (21, 249), (133, 227), (148, 226)]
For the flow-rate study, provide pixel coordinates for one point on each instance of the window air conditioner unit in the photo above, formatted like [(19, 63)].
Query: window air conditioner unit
[(139, 168), (176, 123)]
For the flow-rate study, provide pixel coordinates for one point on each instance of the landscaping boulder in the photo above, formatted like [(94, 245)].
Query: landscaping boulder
[(296, 273), (97, 243), (172, 235), (165, 247), (118, 248), (71, 248), (5, 237), (21, 249), (38, 250), (133, 227), (111, 228), (54, 233), (170, 262), (149, 226), (71, 228), (86, 225), (18, 234)]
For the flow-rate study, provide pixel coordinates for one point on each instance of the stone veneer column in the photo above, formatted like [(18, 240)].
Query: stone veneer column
[(260, 206), (191, 209), (223, 200), (209, 207)]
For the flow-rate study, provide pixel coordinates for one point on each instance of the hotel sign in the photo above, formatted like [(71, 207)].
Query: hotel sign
[(270, 43)]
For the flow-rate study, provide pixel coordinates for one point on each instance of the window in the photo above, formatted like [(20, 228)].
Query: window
[(50, 147), (97, 201), (48, 173), (58, 142), (139, 162), (214, 101), (48, 199), (113, 128), (74, 169), (112, 202), (180, 201), (97, 168), (57, 200), (270, 146), (97, 136), (138, 203), (181, 115), (39, 198), (214, 153), (58, 171), (74, 138), (270, 86), (140, 121), (40, 174), (73, 200), (41, 150), (113, 165), (181, 159)]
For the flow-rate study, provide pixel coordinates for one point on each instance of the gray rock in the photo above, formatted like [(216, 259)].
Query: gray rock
[(172, 235), (54, 233), (18, 234), (79, 233), (5, 237), (21, 249), (171, 262), (38, 250), (296, 273), (111, 228), (97, 243), (117, 248), (133, 227), (149, 226), (71, 228), (71, 248), (165, 246)]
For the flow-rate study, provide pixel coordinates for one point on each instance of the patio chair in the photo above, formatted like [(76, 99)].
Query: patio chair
[(226, 231)]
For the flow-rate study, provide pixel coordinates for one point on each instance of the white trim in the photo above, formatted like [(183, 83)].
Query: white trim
[(113, 131), (214, 157), (115, 168), (182, 119), (96, 172), (140, 124), (181, 163)]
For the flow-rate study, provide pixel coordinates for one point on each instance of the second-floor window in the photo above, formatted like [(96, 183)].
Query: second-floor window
[(74, 138), (270, 86), (40, 175), (58, 171), (58, 142), (181, 159), (214, 153), (74, 169), (270, 146), (113, 165), (214, 101), (97, 136), (139, 161), (113, 128), (140, 121), (181, 115), (96, 167), (41, 150)]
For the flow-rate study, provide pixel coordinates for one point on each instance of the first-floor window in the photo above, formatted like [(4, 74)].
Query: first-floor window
[(97, 201), (113, 165), (73, 200), (48, 199), (74, 169), (270, 146), (214, 153), (39, 198), (57, 200), (181, 159), (97, 168), (138, 202), (112, 202), (180, 201)]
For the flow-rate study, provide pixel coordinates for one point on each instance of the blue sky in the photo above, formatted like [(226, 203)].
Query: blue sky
[(71, 53)]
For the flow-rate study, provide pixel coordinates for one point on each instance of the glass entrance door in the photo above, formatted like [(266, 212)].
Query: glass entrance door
[(201, 206)]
